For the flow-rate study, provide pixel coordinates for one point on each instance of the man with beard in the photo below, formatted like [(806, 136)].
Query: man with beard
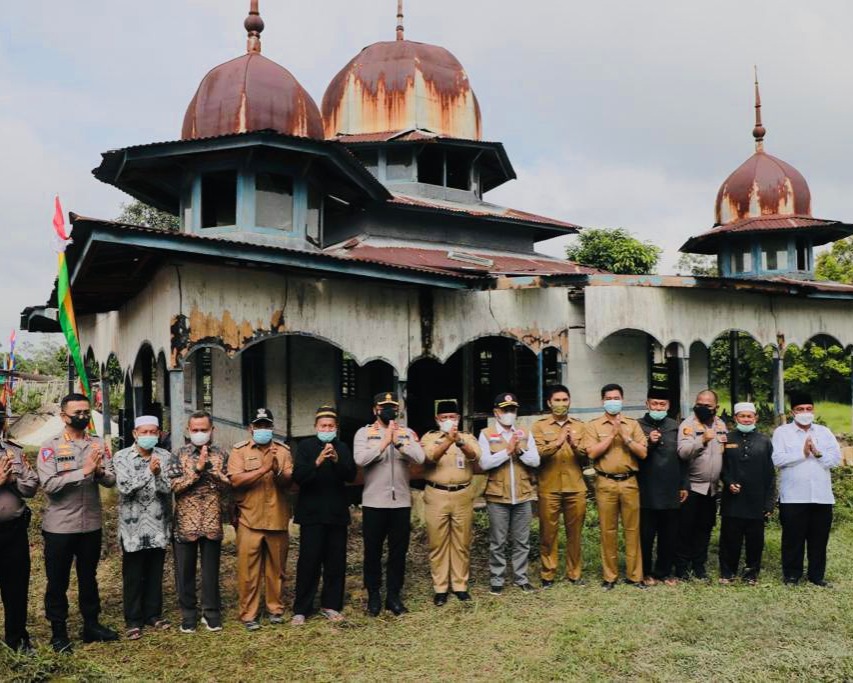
[(385, 450), (701, 440)]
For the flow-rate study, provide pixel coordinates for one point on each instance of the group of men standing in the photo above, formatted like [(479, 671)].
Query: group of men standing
[(663, 481)]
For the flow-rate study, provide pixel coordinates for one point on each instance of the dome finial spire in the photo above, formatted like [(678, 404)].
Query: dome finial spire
[(400, 29), (254, 26), (759, 131)]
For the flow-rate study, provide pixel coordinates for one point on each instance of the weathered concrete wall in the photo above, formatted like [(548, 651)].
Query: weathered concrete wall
[(688, 315)]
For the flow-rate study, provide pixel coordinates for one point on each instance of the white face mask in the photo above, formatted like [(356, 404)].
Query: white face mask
[(507, 419), (200, 438), (447, 425), (804, 419)]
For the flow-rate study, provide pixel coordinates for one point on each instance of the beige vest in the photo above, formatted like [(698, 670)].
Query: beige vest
[(498, 486)]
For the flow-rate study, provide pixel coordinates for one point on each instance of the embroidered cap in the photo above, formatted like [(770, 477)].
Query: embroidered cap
[(326, 411), (263, 415), (744, 407), (506, 401), (386, 398), (145, 420)]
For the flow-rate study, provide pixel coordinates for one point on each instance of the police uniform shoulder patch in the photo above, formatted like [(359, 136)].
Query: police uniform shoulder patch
[(241, 444), (46, 453)]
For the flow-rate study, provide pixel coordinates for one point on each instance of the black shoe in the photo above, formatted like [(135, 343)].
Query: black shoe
[(396, 606), (700, 574), (462, 595), (821, 583), (577, 582), (374, 603), (97, 633), (495, 590), (608, 585), (439, 599), (790, 581), (61, 645), (547, 583), (526, 588)]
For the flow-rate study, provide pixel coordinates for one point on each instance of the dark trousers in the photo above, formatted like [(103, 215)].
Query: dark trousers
[(377, 525), (186, 555), (804, 525), (735, 532), (60, 550), (663, 525), (15, 579), (322, 551), (142, 583), (696, 521)]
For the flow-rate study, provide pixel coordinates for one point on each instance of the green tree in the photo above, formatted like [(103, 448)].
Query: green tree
[(138, 213), (48, 358), (837, 263), (614, 250), (820, 367), (698, 265)]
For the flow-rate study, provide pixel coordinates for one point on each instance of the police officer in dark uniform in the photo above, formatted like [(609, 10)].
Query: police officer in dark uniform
[(17, 481), (71, 468)]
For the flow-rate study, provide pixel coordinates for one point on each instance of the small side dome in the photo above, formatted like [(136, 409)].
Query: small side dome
[(251, 93)]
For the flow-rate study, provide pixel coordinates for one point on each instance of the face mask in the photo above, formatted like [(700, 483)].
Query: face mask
[(387, 413), (77, 422), (658, 415), (200, 438), (262, 436), (507, 419), (704, 413), (804, 419), (146, 443), (447, 425), (613, 406), (746, 429), (560, 410), (327, 437)]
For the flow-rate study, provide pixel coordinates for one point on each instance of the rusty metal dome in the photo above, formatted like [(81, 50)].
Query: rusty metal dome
[(763, 185), (402, 85), (251, 93)]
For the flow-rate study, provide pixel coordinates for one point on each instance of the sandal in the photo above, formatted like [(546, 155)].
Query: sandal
[(332, 615), (133, 633), (298, 620), (161, 624)]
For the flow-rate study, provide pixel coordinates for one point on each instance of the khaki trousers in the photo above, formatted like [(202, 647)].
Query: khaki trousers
[(261, 557), (619, 499), (572, 507), (449, 517)]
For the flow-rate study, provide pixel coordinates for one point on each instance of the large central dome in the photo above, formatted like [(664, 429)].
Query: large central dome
[(402, 85)]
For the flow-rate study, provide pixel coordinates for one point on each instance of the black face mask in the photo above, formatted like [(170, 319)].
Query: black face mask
[(77, 422), (387, 413), (704, 413)]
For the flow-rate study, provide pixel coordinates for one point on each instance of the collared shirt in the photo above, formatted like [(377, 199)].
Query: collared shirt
[(706, 460), (12, 493), (73, 499), (198, 496), (560, 470), (618, 459), (386, 471), (264, 504), (145, 500), (805, 479), (453, 467)]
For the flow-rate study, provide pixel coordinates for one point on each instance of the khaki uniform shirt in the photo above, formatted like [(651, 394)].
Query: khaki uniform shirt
[(560, 468), (705, 460), (618, 459), (453, 467), (198, 496), (73, 500), (264, 504), (12, 493)]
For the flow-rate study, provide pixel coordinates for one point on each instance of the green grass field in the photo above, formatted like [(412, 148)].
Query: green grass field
[(690, 632)]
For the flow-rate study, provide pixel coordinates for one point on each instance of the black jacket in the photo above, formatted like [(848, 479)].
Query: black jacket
[(322, 490), (662, 474), (748, 461)]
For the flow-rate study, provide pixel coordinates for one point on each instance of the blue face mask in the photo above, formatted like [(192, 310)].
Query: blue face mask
[(658, 415), (327, 437), (746, 429), (146, 443), (262, 436), (613, 406)]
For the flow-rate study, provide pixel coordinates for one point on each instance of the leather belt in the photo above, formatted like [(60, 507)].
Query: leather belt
[(623, 476), (452, 487)]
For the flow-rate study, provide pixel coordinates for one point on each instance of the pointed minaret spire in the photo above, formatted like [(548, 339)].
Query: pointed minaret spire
[(400, 29), (759, 131), (254, 26)]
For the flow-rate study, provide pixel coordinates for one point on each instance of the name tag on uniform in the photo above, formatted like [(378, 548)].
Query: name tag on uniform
[(252, 462), (374, 437), (403, 437), (66, 463)]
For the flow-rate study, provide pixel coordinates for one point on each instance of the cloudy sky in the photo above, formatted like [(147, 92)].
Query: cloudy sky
[(615, 113)]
